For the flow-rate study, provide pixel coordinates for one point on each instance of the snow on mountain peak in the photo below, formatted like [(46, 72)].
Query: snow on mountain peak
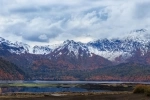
[(23, 45), (41, 50), (2, 39), (107, 48), (16, 47), (121, 47), (139, 31), (75, 48), (140, 35)]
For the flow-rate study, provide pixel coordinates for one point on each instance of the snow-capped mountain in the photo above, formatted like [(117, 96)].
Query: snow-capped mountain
[(72, 48), (44, 49), (121, 47), (111, 49), (83, 61), (141, 35), (115, 49), (76, 55), (41, 50), (16, 47)]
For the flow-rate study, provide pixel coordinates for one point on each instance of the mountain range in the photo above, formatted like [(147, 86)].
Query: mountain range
[(73, 60)]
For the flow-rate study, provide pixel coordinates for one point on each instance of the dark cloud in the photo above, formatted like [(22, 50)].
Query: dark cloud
[(35, 38)]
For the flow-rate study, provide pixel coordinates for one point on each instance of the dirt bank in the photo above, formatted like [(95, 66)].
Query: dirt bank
[(76, 96)]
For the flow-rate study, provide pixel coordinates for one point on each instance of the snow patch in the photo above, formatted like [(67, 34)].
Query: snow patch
[(110, 55)]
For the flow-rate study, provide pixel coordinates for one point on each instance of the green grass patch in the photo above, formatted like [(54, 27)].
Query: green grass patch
[(36, 85), (28, 85)]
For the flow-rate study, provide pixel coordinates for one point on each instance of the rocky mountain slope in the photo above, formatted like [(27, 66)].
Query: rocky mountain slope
[(39, 61), (115, 49)]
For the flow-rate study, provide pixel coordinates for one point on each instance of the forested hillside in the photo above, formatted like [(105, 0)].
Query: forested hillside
[(9, 71)]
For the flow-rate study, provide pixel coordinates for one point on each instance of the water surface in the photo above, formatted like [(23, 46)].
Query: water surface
[(57, 88)]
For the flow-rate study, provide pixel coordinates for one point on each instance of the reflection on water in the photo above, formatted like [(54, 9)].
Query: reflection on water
[(71, 82), (57, 89), (46, 89)]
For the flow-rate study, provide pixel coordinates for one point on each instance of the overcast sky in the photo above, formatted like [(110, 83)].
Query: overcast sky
[(53, 21)]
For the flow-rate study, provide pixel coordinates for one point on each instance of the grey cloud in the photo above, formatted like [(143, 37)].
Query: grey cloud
[(142, 10), (17, 29), (24, 10), (34, 32), (36, 38), (46, 20), (101, 12), (37, 9), (39, 37)]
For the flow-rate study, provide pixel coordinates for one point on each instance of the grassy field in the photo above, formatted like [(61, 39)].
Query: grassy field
[(36, 85)]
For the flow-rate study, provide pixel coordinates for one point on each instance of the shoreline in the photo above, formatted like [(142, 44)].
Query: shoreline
[(58, 94), (75, 82), (74, 96), (118, 92)]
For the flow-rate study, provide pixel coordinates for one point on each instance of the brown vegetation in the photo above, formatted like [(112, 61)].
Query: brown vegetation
[(77, 96), (142, 89), (9, 71)]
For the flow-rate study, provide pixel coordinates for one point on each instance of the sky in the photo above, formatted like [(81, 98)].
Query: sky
[(42, 22)]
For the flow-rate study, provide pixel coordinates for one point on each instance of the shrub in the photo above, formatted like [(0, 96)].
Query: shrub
[(147, 92), (140, 89), (144, 89)]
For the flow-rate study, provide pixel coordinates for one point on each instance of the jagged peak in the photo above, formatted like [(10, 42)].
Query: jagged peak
[(42, 47), (138, 31), (72, 47), (21, 44), (71, 42), (126, 44), (134, 35), (68, 41), (2, 39), (98, 41), (140, 35)]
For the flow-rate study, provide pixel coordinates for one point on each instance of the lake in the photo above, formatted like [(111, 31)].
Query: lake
[(70, 82), (63, 86), (47, 89)]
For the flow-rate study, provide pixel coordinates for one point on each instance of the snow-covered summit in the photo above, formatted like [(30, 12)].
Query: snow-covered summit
[(121, 47), (110, 49), (41, 50), (71, 47), (140, 35), (16, 47)]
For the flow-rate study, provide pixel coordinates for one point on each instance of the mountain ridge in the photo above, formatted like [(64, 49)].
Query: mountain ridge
[(67, 61), (110, 49)]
